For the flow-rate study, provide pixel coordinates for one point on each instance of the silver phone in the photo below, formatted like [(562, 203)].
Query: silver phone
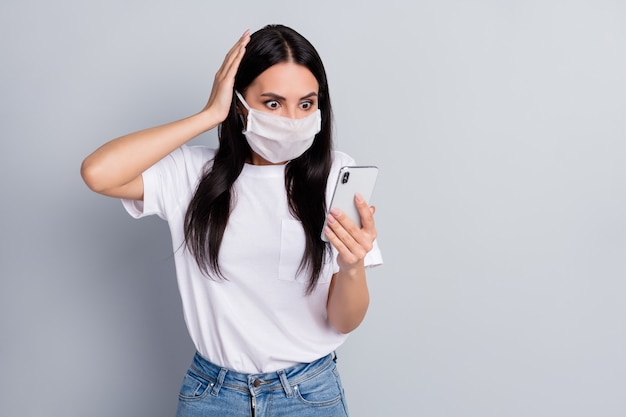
[(351, 180)]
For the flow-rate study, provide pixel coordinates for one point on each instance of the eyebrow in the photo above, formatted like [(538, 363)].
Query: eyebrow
[(278, 97)]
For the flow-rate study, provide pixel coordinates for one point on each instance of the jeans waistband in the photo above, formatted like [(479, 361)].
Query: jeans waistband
[(256, 383)]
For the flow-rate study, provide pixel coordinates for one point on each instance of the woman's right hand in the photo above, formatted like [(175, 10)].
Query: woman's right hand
[(115, 169), (224, 82)]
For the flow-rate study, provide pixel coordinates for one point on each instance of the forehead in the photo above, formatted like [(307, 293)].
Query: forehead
[(286, 78)]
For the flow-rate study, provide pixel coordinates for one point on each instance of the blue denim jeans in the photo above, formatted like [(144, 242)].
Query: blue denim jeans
[(305, 390)]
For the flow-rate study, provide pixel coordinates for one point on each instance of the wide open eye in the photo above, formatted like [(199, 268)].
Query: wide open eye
[(272, 104), (306, 105)]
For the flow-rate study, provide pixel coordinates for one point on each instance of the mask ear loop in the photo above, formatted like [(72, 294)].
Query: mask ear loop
[(241, 116), (240, 97)]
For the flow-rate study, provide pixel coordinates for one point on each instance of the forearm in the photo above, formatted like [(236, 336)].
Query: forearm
[(348, 299), (115, 168), (121, 160)]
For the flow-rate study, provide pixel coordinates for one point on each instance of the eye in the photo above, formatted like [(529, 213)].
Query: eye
[(272, 104), (306, 105)]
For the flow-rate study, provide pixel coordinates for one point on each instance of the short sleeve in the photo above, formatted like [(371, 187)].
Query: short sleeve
[(148, 206), (169, 184)]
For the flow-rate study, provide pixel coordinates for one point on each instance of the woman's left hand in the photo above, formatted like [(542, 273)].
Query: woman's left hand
[(352, 242)]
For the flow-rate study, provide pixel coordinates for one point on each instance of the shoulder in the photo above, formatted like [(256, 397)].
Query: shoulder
[(182, 167), (191, 158), (196, 153)]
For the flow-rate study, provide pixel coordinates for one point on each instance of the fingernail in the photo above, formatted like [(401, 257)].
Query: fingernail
[(358, 197), (335, 212), (330, 219)]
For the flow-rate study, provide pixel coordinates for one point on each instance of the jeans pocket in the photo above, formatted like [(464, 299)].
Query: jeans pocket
[(194, 387), (322, 390)]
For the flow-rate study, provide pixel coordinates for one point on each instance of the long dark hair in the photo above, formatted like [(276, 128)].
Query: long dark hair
[(305, 176)]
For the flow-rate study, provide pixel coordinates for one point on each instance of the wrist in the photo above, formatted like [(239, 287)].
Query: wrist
[(352, 271), (207, 119)]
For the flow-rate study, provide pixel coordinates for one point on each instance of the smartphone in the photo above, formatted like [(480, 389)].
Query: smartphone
[(351, 180)]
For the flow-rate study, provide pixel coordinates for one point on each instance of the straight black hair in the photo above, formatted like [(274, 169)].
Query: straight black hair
[(305, 176)]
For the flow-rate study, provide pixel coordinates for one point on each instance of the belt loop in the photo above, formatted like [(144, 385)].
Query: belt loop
[(285, 383), (219, 382)]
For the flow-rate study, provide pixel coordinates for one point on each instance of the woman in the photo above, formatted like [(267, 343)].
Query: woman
[(266, 300)]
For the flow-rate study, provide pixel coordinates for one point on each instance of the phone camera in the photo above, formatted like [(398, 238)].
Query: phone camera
[(345, 177)]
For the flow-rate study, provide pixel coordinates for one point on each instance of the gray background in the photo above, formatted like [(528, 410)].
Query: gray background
[(500, 133)]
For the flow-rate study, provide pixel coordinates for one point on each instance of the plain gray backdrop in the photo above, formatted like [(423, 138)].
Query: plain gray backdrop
[(499, 129)]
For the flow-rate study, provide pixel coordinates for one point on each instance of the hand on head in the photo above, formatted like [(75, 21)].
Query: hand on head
[(224, 81)]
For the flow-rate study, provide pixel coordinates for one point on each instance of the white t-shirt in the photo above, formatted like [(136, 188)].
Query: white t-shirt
[(259, 319)]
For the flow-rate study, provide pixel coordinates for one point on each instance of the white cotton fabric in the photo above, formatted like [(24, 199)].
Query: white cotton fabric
[(259, 319)]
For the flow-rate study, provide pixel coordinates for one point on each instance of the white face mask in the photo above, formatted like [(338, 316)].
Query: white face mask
[(279, 139)]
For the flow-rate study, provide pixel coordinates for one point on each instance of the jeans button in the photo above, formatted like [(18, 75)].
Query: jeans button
[(256, 383)]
